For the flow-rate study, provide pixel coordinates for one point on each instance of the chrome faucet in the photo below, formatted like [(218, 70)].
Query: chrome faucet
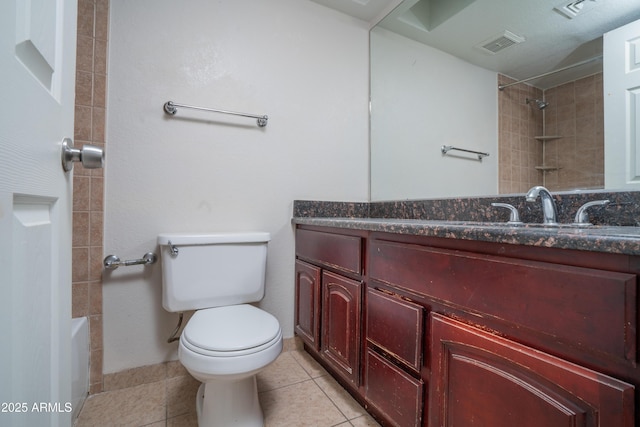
[(549, 213)]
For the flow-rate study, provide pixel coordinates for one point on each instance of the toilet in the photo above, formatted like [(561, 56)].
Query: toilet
[(227, 341)]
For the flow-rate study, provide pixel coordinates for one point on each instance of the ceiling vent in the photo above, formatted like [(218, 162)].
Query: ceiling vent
[(500, 42), (573, 8)]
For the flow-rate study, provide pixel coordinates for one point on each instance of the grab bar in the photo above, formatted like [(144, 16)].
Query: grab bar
[(446, 148), (171, 108), (111, 262)]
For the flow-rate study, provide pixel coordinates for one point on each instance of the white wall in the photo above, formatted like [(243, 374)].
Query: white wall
[(302, 64), (422, 99)]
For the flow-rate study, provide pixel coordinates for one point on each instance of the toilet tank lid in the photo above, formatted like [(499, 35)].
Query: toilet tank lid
[(213, 238)]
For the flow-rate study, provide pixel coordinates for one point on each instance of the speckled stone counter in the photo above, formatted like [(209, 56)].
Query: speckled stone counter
[(616, 227)]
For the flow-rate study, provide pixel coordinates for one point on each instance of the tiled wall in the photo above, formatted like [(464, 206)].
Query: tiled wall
[(518, 123), (91, 82), (575, 113)]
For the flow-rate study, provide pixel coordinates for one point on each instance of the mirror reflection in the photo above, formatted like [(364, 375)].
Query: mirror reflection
[(435, 71)]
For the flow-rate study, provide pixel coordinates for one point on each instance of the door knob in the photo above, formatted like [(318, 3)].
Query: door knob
[(92, 157)]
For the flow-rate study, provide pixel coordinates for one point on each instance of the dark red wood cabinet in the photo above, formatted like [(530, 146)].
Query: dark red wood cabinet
[(394, 346), (307, 309), (442, 332), (328, 299), (480, 379), (340, 344)]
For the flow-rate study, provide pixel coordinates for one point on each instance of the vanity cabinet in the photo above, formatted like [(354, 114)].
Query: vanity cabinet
[(479, 378), (328, 288), (460, 332)]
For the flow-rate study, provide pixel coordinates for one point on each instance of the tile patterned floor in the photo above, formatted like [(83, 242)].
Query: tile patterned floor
[(294, 391)]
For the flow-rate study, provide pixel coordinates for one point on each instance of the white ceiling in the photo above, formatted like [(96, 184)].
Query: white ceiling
[(552, 41)]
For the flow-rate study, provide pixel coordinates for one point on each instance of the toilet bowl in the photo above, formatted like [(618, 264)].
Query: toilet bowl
[(224, 348), (227, 341)]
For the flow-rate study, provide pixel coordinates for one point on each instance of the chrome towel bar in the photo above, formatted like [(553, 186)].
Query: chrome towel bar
[(171, 108), (447, 148), (111, 262)]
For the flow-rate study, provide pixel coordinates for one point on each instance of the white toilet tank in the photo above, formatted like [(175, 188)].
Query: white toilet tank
[(212, 270)]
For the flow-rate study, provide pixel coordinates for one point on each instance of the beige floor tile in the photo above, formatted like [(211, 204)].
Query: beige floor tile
[(135, 406), (315, 410), (340, 397), (189, 420), (364, 421), (135, 376), (181, 395), (284, 371), (309, 364), (288, 396)]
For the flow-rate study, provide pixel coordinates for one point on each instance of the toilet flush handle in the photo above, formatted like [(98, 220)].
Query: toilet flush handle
[(173, 250)]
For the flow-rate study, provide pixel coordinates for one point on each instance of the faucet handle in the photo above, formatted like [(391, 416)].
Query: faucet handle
[(582, 217), (514, 217)]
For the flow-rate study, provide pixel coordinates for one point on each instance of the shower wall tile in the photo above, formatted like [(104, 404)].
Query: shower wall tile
[(80, 268), (96, 220), (82, 123), (100, 57), (79, 298), (84, 54), (95, 302), (88, 194), (518, 123), (95, 330), (80, 229), (81, 192), (84, 87), (575, 112), (99, 91), (86, 11)]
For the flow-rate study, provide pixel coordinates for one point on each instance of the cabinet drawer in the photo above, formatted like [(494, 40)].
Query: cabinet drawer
[(589, 308), (392, 391), (395, 326), (333, 250)]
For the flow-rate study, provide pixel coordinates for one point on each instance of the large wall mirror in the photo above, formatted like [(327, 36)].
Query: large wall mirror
[(435, 70)]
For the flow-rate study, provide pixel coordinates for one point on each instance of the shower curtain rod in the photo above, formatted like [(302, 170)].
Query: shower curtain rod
[(501, 87)]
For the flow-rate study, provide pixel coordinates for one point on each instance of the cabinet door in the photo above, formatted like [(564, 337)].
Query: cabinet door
[(307, 310), (479, 379), (341, 300)]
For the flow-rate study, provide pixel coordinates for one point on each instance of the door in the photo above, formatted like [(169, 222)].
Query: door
[(340, 342), (481, 379), (621, 71), (37, 59), (307, 310)]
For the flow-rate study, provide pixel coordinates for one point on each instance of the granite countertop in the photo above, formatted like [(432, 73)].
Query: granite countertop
[(596, 238)]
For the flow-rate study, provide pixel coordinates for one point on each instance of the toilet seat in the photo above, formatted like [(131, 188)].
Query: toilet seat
[(230, 331)]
